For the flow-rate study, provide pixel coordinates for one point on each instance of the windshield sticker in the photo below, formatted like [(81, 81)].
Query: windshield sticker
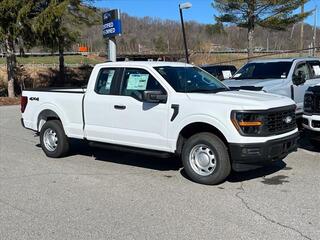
[(109, 80), (137, 82), (237, 75), (283, 75), (316, 69), (227, 74)]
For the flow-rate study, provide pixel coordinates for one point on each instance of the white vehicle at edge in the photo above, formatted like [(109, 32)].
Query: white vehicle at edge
[(311, 116), (164, 107), (289, 77)]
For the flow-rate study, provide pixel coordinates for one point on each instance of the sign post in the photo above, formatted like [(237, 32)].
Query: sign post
[(112, 28)]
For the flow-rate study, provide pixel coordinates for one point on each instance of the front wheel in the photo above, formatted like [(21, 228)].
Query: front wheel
[(53, 139), (205, 159)]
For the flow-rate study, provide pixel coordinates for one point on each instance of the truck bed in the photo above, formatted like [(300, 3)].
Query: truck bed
[(66, 102), (58, 89)]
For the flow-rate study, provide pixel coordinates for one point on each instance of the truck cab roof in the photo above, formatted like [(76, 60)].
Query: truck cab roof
[(144, 64)]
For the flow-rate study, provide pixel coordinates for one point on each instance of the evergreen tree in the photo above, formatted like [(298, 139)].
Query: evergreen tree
[(59, 25), (15, 25), (272, 14)]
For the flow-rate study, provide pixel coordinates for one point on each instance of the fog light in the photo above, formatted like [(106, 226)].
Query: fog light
[(251, 151), (316, 124)]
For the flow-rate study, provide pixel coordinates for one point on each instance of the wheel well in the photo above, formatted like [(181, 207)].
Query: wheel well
[(195, 128), (46, 115)]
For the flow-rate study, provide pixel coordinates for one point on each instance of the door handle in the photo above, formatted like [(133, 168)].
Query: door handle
[(119, 107)]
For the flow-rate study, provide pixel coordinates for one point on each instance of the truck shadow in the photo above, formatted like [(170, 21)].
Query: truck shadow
[(163, 164), (304, 143), (257, 173), (235, 177), (124, 158)]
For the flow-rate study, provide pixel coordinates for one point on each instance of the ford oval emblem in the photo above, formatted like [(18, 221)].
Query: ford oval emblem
[(107, 16), (288, 119)]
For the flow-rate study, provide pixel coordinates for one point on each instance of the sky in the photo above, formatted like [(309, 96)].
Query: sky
[(201, 10)]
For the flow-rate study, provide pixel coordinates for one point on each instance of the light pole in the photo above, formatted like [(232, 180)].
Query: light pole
[(181, 7), (314, 31)]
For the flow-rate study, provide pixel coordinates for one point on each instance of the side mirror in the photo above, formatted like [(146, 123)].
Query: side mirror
[(299, 79), (154, 97)]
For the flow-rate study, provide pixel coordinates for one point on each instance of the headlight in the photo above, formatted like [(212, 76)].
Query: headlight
[(247, 123)]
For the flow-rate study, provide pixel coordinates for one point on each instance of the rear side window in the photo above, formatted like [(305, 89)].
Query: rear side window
[(315, 68), (105, 79), (302, 68), (136, 81)]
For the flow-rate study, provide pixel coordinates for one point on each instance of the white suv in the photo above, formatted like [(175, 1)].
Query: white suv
[(311, 116)]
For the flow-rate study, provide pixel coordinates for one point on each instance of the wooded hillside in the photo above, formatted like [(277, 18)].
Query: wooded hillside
[(154, 35)]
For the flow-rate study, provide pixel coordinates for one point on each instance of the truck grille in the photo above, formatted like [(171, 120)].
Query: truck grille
[(311, 103), (317, 104), (312, 100), (281, 121)]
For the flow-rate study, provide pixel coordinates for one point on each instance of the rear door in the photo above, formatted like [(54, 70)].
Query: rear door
[(135, 122), (97, 106)]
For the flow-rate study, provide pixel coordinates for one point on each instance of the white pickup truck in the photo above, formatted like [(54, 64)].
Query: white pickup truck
[(311, 116), (289, 77), (163, 107)]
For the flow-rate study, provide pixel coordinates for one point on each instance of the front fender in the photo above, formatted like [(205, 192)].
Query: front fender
[(227, 129)]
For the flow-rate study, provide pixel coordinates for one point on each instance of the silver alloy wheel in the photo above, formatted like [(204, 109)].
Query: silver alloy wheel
[(50, 139), (202, 160)]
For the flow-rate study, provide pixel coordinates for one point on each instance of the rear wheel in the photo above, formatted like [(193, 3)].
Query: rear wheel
[(205, 159), (53, 139)]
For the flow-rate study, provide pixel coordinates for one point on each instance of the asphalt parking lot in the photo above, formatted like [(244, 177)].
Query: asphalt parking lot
[(99, 194)]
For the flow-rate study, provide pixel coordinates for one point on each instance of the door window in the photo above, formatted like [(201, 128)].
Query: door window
[(105, 79), (136, 81), (302, 68), (315, 68)]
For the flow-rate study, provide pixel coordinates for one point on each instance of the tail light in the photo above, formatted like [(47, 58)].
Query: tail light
[(23, 103)]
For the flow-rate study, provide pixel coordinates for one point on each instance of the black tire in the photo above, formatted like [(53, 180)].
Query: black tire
[(62, 143), (221, 158), (314, 142)]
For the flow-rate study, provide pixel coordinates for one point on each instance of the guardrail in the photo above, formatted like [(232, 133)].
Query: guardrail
[(40, 65), (270, 54), (42, 54)]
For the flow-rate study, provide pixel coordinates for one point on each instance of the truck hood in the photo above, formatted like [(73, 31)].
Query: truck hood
[(252, 84), (243, 99)]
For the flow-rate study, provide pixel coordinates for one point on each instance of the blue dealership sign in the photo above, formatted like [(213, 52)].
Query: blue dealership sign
[(111, 23)]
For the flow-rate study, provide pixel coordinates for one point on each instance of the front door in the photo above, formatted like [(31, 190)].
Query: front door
[(135, 122)]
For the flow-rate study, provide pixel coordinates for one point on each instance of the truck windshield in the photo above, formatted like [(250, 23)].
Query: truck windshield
[(264, 70), (190, 79)]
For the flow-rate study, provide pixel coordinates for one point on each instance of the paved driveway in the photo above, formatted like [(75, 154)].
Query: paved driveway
[(98, 194)]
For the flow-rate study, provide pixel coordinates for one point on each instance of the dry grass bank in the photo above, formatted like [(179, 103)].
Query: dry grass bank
[(33, 76), (4, 101)]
